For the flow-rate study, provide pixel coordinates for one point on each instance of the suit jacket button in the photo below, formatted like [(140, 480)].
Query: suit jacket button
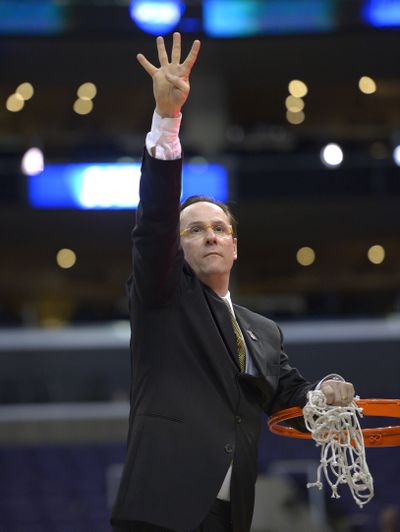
[(238, 419), (228, 448)]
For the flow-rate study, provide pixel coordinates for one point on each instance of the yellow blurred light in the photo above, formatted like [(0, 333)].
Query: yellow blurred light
[(25, 90), (376, 254), (305, 256), (293, 104), (83, 107), (87, 91), (15, 103), (66, 258), (298, 88), (367, 85), (295, 118)]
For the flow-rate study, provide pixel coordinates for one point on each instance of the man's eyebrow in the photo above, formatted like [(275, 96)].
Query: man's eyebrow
[(203, 222)]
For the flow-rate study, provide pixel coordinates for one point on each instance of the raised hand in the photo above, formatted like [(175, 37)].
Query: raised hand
[(171, 80)]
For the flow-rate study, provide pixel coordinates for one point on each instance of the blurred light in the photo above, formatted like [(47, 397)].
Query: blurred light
[(15, 103), (240, 18), (87, 91), (25, 90), (66, 258), (305, 256), (294, 104), (83, 107), (396, 155), (381, 13), (114, 186), (295, 118), (157, 17), (32, 17), (298, 88), (367, 85), (32, 162), (376, 254), (332, 155)]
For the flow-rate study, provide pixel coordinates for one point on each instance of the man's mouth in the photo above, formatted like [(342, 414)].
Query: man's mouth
[(213, 253)]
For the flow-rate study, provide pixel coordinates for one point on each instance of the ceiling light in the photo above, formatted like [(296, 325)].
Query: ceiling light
[(25, 90), (83, 107), (367, 85), (332, 155), (66, 258), (396, 155), (87, 91), (376, 254), (15, 103), (295, 118), (294, 104), (305, 256), (32, 162), (298, 88)]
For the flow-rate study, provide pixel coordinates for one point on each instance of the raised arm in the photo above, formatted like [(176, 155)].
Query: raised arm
[(157, 257)]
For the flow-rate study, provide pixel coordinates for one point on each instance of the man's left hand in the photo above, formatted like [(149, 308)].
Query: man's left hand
[(338, 393)]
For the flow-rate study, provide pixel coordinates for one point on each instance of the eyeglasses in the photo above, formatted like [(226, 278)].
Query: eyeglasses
[(199, 230)]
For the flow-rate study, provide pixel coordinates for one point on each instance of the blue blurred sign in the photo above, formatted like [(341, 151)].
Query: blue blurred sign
[(114, 186), (32, 17), (382, 13), (244, 18)]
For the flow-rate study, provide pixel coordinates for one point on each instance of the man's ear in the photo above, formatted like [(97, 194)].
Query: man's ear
[(235, 245)]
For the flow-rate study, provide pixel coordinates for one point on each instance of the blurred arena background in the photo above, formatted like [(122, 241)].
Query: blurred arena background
[(314, 180)]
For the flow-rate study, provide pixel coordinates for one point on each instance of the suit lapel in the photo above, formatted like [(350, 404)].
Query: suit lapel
[(253, 342)]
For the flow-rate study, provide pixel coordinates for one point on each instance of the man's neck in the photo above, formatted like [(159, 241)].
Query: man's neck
[(219, 285)]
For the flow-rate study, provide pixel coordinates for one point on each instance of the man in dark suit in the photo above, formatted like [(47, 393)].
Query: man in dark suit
[(203, 370)]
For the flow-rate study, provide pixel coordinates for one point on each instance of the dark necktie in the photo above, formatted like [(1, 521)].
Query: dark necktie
[(241, 348)]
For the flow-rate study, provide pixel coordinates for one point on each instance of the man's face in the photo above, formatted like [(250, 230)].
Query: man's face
[(208, 252)]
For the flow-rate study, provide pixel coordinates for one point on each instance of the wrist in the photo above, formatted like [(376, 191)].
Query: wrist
[(176, 113)]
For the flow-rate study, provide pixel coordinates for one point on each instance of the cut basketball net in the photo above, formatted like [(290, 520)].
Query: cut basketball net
[(336, 429)]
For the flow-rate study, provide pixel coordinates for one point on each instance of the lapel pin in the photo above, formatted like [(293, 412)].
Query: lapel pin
[(252, 335)]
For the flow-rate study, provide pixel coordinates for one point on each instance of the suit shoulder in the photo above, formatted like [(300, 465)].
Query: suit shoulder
[(258, 319)]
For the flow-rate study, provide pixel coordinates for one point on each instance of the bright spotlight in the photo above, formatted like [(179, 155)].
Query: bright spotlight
[(396, 155), (157, 17), (32, 162), (332, 155)]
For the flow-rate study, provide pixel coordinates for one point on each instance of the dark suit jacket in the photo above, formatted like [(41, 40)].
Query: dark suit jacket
[(192, 412)]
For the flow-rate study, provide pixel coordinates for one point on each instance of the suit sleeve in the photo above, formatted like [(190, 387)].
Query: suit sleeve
[(292, 389), (157, 255)]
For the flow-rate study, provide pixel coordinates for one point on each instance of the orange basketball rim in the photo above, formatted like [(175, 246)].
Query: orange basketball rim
[(376, 437)]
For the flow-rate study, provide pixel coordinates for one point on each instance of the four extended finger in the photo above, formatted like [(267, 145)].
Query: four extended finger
[(162, 53), (176, 48), (149, 68), (192, 55)]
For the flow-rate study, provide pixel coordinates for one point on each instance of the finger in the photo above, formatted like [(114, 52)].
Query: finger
[(350, 392), (192, 56), (177, 82), (345, 392), (176, 48), (149, 68), (162, 53), (329, 393)]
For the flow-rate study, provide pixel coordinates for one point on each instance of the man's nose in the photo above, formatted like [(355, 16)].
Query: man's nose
[(210, 235)]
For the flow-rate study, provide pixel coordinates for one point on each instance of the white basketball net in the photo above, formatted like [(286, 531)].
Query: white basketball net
[(337, 431)]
